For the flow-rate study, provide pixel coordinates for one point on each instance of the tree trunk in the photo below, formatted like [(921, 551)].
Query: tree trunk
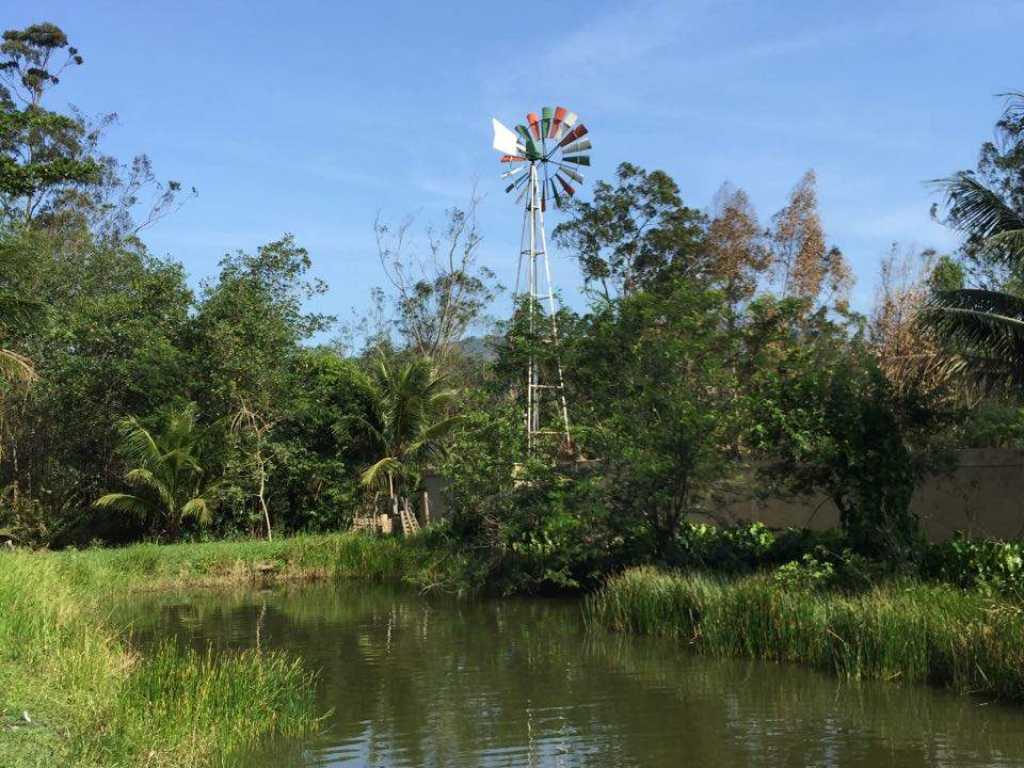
[(263, 498)]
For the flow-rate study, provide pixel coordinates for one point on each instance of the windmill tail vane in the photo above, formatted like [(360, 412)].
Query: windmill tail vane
[(550, 147)]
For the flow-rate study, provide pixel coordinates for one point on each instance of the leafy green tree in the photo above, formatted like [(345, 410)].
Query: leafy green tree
[(246, 334), (407, 425), (824, 418), (41, 152), (634, 233), (653, 385), (167, 471), (319, 443)]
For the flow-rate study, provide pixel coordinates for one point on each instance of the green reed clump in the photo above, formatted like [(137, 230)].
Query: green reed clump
[(90, 701), (905, 631)]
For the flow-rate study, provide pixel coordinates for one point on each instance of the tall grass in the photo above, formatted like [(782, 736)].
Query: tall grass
[(908, 632), (72, 694)]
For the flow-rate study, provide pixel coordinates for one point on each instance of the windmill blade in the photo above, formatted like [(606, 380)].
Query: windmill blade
[(534, 123), (546, 114), (522, 194), (524, 134), (556, 121), (512, 159), (554, 191), (576, 133), (579, 146), (566, 186), (516, 183), (578, 159), (572, 173), (505, 140), (512, 172), (533, 152)]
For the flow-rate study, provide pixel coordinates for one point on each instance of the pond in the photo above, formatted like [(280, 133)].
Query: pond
[(411, 681)]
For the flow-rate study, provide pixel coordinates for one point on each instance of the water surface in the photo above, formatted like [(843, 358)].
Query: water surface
[(417, 682)]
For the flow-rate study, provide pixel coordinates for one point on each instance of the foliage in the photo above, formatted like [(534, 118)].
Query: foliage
[(634, 233), (828, 420), (169, 470), (407, 422), (992, 567), (93, 701)]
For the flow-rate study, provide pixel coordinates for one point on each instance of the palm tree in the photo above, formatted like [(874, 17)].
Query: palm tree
[(407, 424), (168, 474), (984, 329)]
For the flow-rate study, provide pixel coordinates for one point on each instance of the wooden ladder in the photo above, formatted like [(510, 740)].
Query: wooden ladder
[(409, 523)]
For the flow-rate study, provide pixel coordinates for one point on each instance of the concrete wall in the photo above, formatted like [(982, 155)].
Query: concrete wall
[(984, 496)]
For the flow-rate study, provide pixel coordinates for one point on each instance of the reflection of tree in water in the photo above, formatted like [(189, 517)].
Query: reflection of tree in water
[(427, 682)]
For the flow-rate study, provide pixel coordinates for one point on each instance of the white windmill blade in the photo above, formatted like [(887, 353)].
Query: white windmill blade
[(505, 141)]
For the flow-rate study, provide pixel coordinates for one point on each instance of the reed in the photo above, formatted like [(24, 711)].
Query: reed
[(904, 631)]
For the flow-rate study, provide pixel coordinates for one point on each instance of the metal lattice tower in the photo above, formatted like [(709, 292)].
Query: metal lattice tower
[(546, 150)]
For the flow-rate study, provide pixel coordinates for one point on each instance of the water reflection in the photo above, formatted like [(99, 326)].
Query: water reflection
[(415, 682)]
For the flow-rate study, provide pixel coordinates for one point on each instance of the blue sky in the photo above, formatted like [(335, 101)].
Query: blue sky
[(311, 117)]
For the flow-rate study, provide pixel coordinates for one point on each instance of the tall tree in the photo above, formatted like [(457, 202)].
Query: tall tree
[(41, 152), (805, 266), (247, 331), (735, 244), (437, 288), (634, 234)]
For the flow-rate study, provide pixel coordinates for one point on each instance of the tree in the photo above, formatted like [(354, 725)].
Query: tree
[(438, 295), (983, 327), (407, 424), (805, 267), (824, 418), (51, 170), (40, 151), (634, 234), (735, 244), (909, 358), (652, 379), (246, 334), (168, 472)]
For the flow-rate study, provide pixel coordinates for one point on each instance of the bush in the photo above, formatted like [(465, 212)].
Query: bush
[(987, 565)]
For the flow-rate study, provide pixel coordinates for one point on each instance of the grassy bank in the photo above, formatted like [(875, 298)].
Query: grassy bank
[(73, 694), (414, 561), (90, 701), (908, 632)]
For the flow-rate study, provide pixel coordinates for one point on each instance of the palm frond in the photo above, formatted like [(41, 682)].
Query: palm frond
[(200, 508), (375, 475), (983, 333), (16, 368), (125, 502), (983, 214)]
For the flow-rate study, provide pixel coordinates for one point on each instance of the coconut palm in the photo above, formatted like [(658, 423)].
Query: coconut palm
[(984, 329), (407, 424), (170, 482)]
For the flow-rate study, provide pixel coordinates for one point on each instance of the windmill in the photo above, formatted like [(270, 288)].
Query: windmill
[(544, 155)]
